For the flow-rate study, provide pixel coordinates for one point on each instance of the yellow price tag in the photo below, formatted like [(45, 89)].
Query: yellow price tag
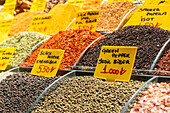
[(157, 16), (38, 5), (115, 63), (9, 8), (40, 24), (10, 1), (5, 57), (87, 20), (5, 26), (47, 62), (76, 2)]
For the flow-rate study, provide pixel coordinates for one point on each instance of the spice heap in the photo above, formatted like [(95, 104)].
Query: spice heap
[(22, 21), (23, 42), (91, 4), (22, 6), (149, 41), (74, 42), (62, 15), (111, 14), (155, 100), (164, 64), (19, 90), (51, 3), (88, 94)]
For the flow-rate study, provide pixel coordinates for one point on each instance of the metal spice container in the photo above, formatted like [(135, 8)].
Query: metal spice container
[(149, 41), (80, 92), (18, 90), (23, 42), (149, 96)]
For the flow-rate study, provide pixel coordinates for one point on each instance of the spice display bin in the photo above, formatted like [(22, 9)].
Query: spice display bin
[(74, 73), (160, 55), (165, 46), (134, 99)]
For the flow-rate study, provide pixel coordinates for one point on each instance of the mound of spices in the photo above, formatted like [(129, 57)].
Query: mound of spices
[(51, 3), (62, 15), (91, 4), (23, 42), (164, 64), (111, 14), (155, 100), (82, 94), (22, 6), (19, 90), (22, 21), (149, 41), (74, 42)]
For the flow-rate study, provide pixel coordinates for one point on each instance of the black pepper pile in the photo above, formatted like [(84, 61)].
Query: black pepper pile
[(85, 94), (19, 90), (148, 39)]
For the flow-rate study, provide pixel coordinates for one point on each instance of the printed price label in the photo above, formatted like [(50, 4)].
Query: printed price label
[(47, 62), (38, 5), (87, 20), (115, 63), (76, 2), (5, 57), (157, 16), (5, 26), (9, 7), (40, 24)]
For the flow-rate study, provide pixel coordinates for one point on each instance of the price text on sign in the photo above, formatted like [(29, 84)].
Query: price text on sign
[(5, 26), (9, 7), (38, 5), (76, 2), (87, 20), (115, 63), (5, 57), (40, 24), (157, 16), (48, 62)]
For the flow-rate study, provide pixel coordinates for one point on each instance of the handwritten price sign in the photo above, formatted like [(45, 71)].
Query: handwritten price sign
[(87, 20), (47, 62), (40, 24), (157, 16), (38, 5), (115, 63), (5, 57)]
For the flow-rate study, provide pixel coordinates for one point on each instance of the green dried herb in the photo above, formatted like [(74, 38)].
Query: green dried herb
[(23, 42)]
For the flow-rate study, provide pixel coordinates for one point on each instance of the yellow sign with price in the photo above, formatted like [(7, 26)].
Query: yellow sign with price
[(115, 63), (47, 62), (87, 20)]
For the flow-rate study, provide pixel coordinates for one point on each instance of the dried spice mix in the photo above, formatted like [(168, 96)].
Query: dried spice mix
[(85, 94), (149, 41), (111, 14), (74, 42), (19, 90), (23, 42), (22, 21), (164, 64), (155, 100)]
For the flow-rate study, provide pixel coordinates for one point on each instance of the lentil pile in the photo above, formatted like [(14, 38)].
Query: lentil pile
[(111, 14), (74, 42), (88, 94), (22, 21), (23, 42), (19, 90), (155, 100), (149, 41), (164, 64)]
